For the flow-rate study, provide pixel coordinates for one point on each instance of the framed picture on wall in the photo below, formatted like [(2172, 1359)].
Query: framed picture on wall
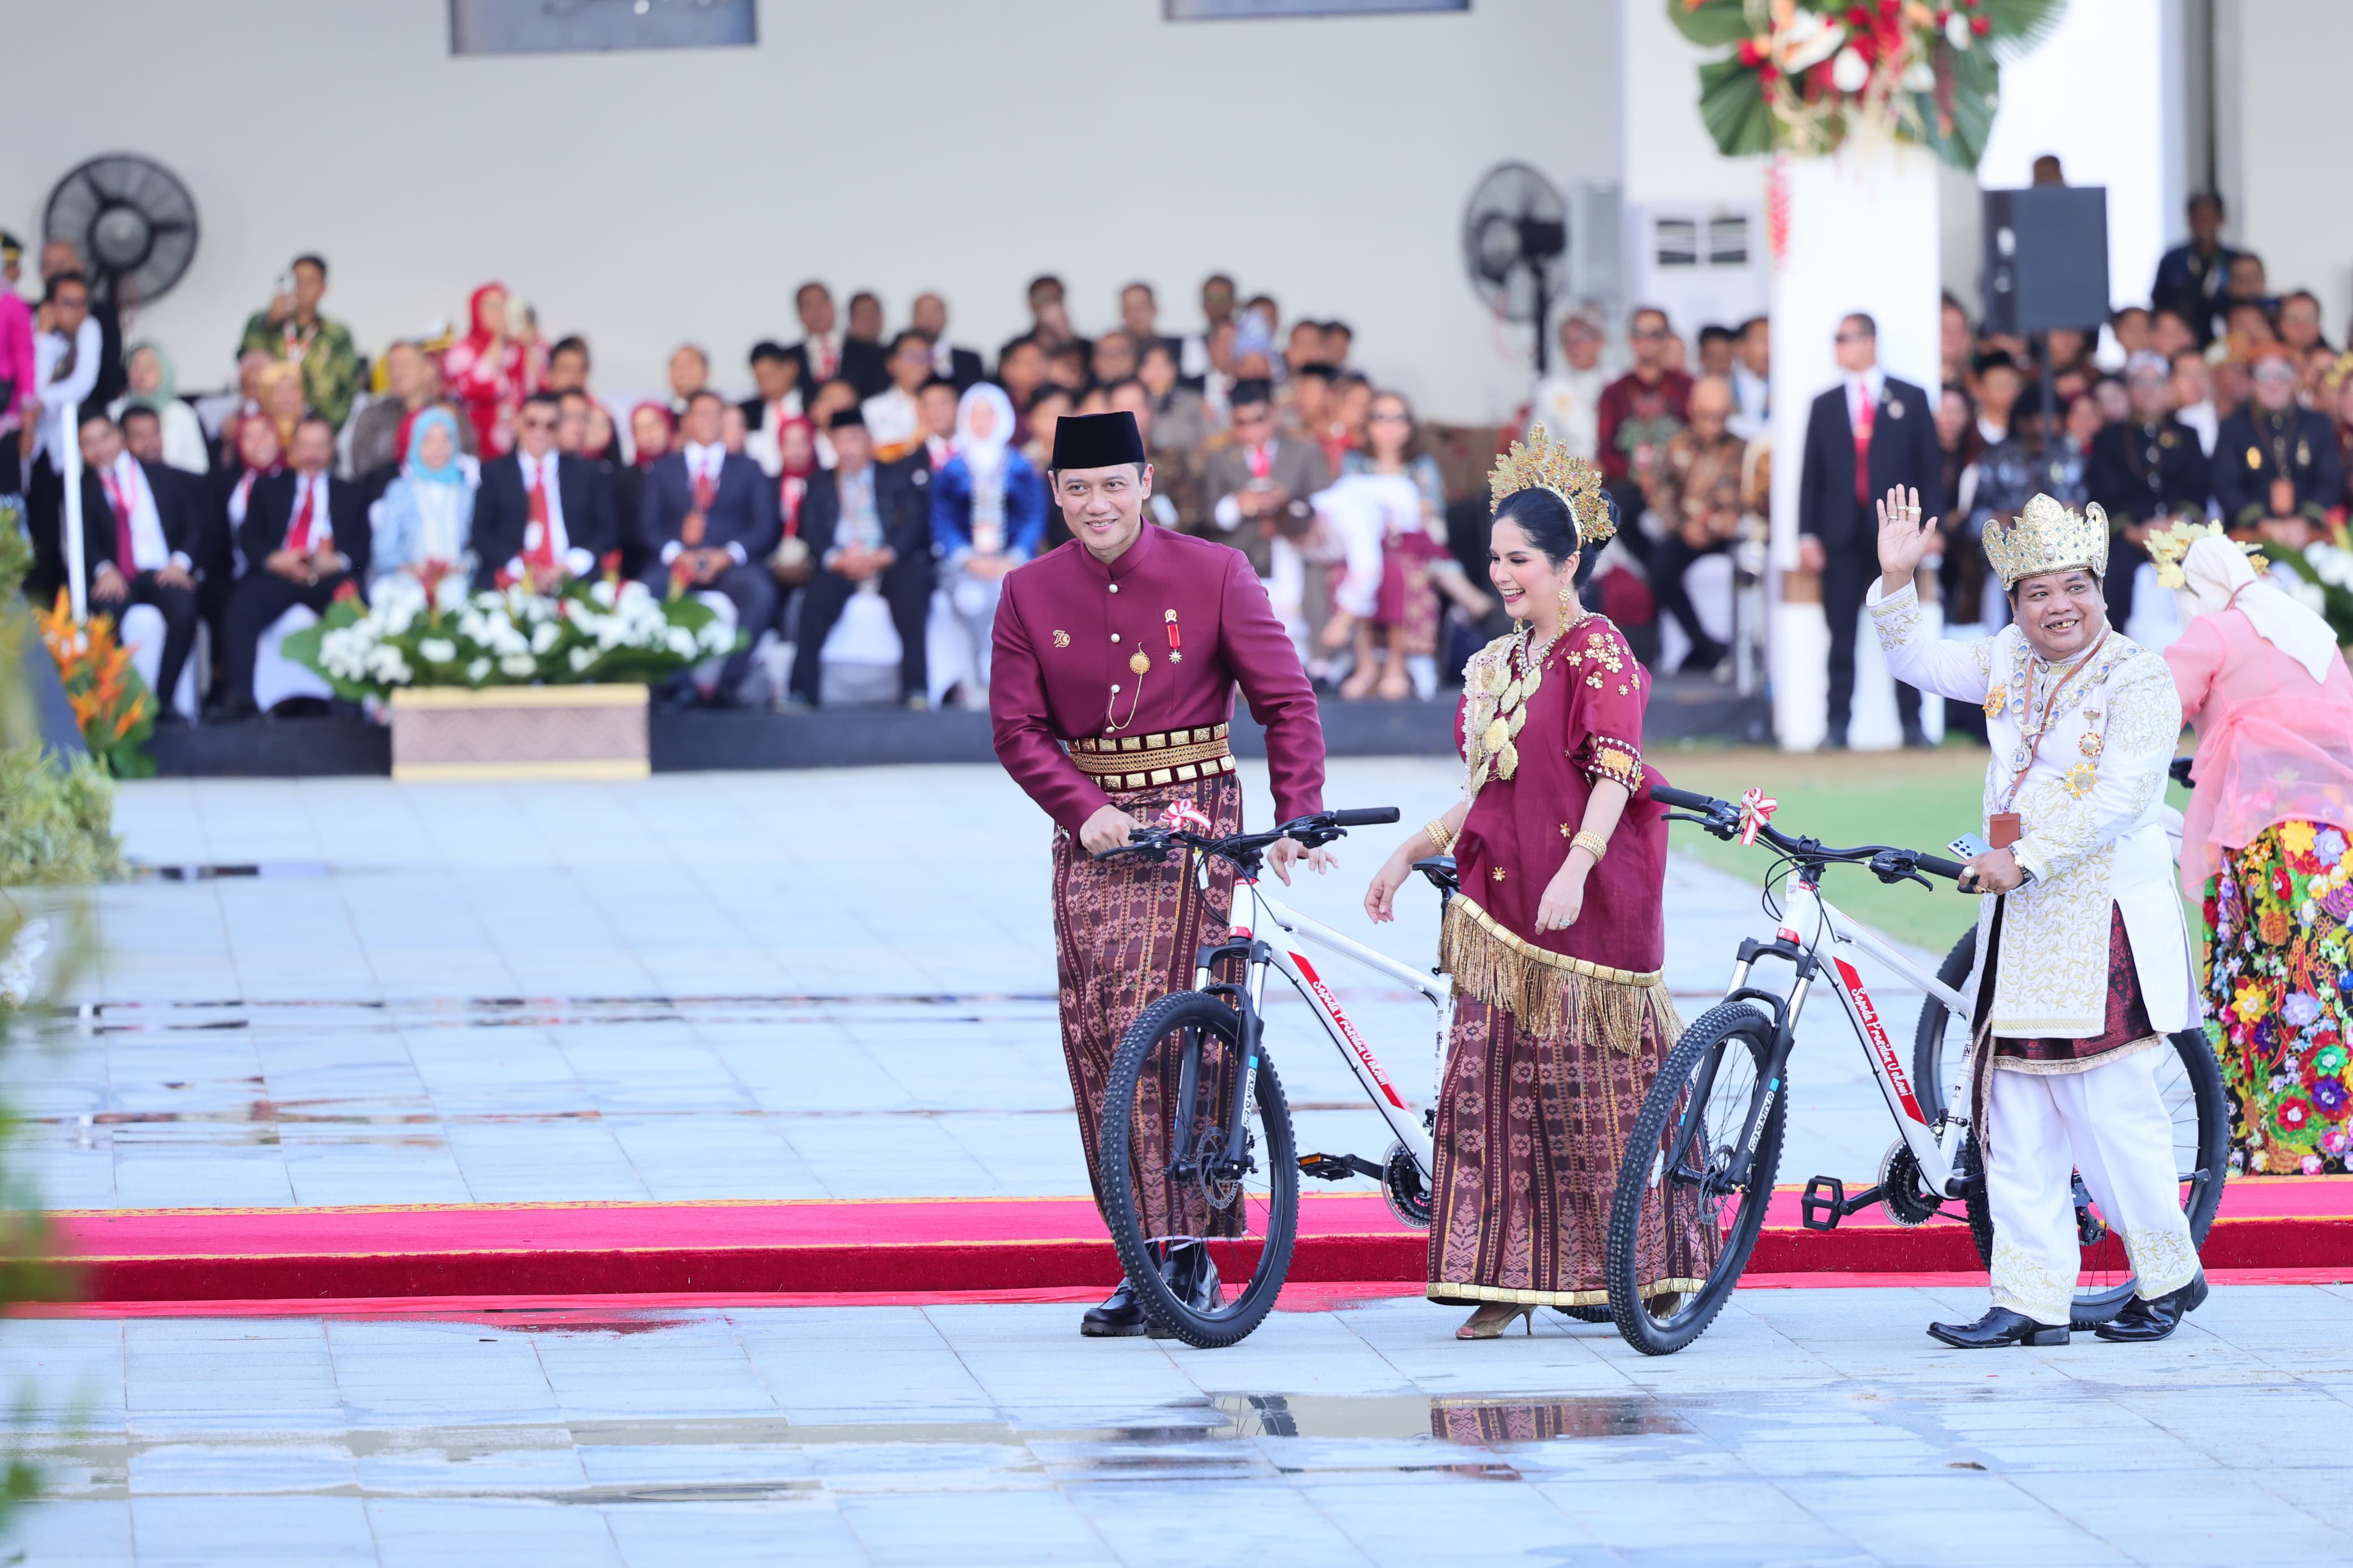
[(1231, 10), (596, 27)]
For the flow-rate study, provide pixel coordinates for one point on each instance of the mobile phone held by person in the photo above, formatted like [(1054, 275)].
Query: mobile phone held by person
[(1969, 847)]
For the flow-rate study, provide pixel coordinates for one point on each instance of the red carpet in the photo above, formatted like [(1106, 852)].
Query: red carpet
[(186, 1260)]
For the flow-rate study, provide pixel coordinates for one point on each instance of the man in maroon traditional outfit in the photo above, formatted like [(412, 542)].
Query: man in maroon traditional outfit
[(1116, 660)]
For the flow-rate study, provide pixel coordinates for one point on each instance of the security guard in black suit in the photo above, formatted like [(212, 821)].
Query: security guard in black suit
[(2143, 473), (2272, 440)]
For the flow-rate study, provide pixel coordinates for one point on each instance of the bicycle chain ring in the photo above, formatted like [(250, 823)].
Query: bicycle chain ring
[(1900, 1194), (1402, 1188)]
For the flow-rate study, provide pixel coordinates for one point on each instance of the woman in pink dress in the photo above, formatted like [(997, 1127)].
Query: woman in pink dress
[(2267, 843), (490, 373)]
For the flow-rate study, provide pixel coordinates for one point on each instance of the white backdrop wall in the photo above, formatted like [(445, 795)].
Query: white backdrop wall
[(2291, 198), (653, 197)]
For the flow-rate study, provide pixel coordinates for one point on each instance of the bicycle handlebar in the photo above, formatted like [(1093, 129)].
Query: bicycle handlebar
[(1722, 818), (1242, 848)]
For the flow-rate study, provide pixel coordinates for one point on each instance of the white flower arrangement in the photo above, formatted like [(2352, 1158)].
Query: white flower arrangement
[(420, 634)]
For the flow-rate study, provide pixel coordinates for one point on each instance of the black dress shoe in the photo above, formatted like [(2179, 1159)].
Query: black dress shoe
[(2142, 1322), (1120, 1317), (1193, 1276), (1705, 659), (1999, 1327)]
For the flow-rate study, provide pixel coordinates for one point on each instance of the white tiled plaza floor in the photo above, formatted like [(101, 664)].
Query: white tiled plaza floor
[(1815, 1426), (799, 984), (839, 984)]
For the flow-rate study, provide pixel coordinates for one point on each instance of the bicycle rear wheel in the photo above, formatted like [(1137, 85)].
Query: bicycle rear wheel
[(2188, 1081), (1185, 1162), (1697, 1176)]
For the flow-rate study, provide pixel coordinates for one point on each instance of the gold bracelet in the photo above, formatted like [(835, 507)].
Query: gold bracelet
[(1440, 835), (1592, 843)]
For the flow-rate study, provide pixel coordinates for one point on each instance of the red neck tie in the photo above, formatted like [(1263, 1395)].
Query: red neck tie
[(706, 486), (298, 537), (539, 539), (1866, 416), (126, 553), (1262, 462)]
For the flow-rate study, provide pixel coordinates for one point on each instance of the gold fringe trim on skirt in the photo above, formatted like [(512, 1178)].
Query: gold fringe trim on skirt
[(1550, 994), (1447, 1290)]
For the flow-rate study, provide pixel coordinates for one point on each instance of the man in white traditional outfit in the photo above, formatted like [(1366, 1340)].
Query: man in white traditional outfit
[(2083, 964)]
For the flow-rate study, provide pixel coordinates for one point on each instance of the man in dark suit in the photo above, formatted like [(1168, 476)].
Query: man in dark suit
[(305, 535), (2144, 472), (539, 510), (1865, 436), (709, 516), (779, 398), (825, 354), (950, 362), (1139, 315), (2276, 464), (137, 520), (204, 535), (869, 529), (1256, 486)]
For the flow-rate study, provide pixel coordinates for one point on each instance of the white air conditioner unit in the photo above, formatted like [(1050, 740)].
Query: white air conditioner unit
[(1703, 264)]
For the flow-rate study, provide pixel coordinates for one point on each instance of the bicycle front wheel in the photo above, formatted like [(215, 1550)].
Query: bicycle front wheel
[(1698, 1175), (1191, 1162)]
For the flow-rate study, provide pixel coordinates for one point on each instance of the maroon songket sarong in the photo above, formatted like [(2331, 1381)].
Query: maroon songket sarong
[(1127, 933), (1558, 1035)]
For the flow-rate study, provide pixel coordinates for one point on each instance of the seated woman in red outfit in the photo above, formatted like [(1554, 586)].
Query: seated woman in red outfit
[(1555, 942)]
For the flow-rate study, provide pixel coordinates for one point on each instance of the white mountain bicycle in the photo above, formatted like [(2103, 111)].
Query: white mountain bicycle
[(1700, 1164), (1196, 1143)]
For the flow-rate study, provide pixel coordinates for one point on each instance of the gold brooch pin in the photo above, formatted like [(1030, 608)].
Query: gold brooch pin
[(1996, 700), (2080, 778), (1139, 661), (1061, 640), (2091, 742)]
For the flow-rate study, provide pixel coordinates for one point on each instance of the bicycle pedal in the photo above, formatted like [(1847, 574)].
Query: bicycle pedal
[(1337, 1167), (1816, 1212)]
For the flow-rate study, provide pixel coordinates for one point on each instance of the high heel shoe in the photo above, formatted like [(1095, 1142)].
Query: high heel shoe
[(1490, 1320)]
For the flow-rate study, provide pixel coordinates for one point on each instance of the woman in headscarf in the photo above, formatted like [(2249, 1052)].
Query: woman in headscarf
[(988, 516), (2267, 843), (796, 459), (147, 371), (427, 515), (281, 400), (651, 428), (490, 373)]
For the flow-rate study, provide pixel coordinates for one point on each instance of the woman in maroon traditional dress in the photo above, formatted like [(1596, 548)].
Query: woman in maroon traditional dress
[(1555, 941)]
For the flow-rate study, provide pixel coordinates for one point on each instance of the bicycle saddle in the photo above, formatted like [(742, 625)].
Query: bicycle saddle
[(1440, 869)]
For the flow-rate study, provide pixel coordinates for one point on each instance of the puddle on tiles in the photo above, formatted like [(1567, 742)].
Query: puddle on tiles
[(753, 1458)]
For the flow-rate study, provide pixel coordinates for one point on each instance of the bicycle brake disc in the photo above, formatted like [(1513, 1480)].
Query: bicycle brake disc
[(1900, 1194), (1401, 1185)]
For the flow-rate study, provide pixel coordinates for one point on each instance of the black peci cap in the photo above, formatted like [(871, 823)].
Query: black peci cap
[(1097, 440), (843, 418)]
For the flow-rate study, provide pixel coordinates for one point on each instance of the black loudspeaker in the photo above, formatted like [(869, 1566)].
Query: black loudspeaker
[(2046, 258)]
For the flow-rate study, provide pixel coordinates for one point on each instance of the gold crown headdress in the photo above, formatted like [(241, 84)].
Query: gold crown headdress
[(1543, 464), (2049, 536), (2166, 546)]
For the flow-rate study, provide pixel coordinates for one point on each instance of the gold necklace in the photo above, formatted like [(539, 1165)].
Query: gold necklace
[(1499, 737)]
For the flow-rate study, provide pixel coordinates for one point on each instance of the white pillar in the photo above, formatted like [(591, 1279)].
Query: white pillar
[(1862, 234)]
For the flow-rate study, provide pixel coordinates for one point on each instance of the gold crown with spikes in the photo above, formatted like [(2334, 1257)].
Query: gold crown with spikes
[(2049, 536), (1541, 463), (2166, 546)]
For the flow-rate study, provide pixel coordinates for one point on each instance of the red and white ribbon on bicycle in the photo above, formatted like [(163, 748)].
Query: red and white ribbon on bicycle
[(1185, 813), (1757, 809)]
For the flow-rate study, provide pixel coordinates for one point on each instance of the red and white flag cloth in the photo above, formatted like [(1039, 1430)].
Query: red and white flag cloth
[(1756, 810), (1185, 813)]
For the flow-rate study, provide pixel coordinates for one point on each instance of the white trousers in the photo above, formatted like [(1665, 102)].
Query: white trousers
[(2109, 1124)]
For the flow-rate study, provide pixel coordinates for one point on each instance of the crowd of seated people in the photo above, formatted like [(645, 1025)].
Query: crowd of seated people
[(855, 515), (857, 512)]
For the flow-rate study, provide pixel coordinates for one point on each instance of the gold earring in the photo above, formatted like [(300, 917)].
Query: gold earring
[(1568, 605)]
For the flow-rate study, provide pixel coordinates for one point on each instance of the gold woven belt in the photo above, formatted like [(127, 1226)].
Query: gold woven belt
[(1142, 762)]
